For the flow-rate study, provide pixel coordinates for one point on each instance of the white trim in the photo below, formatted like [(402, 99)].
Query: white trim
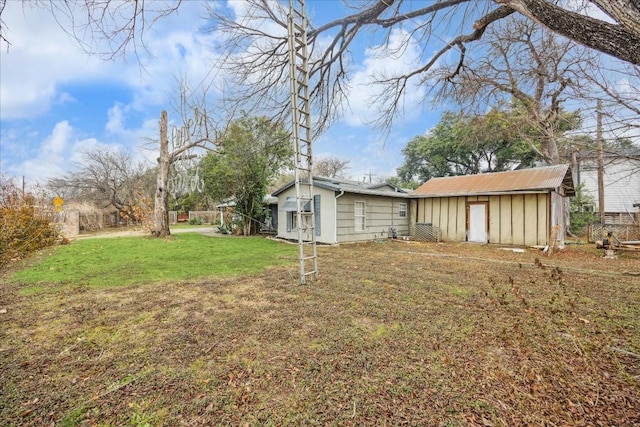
[(402, 208), (356, 215)]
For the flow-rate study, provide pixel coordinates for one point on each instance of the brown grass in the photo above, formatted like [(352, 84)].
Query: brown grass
[(392, 334)]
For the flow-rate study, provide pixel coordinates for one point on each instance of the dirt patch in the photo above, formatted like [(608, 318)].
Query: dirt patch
[(392, 334)]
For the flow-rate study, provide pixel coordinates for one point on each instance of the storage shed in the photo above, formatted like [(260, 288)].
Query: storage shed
[(514, 208)]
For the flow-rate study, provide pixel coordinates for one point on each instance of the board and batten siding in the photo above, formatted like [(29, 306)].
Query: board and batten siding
[(513, 219), (381, 213)]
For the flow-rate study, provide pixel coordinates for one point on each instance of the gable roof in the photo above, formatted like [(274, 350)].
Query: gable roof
[(523, 180), (349, 186)]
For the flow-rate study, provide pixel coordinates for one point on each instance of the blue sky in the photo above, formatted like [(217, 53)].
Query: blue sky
[(56, 101)]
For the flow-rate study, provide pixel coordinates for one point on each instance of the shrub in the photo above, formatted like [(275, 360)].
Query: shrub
[(25, 225), (196, 220), (581, 210)]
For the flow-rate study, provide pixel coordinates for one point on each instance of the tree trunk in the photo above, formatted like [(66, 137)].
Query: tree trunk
[(161, 201), (618, 40), (600, 163)]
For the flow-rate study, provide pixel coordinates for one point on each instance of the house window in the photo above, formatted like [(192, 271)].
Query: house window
[(402, 210), (293, 220), (290, 205), (587, 208), (360, 220)]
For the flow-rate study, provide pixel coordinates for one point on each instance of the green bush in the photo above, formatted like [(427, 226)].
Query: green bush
[(25, 226), (195, 221), (581, 211)]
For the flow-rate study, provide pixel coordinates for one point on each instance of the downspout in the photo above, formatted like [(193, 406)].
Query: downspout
[(335, 215)]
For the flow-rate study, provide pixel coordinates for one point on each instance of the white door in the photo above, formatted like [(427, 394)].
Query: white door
[(478, 223)]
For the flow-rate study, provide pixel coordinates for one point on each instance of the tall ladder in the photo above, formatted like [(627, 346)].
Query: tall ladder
[(301, 136)]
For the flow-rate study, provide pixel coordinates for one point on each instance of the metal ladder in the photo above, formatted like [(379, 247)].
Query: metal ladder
[(301, 135)]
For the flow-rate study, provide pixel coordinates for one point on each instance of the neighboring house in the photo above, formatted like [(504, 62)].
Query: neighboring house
[(346, 211), (515, 208), (621, 182), (270, 221)]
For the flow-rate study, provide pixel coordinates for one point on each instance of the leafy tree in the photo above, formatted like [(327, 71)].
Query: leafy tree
[(461, 144), (399, 182), (192, 201), (581, 210), (252, 153), (533, 70)]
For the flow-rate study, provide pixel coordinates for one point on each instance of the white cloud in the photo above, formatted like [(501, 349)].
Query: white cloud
[(379, 63), (38, 62), (44, 69), (136, 139), (63, 149), (52, 154)]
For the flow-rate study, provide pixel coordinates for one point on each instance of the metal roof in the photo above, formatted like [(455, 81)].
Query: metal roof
[(524, 180)]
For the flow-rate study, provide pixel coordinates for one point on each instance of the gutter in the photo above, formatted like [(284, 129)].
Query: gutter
[(335, 214), (493, 193)]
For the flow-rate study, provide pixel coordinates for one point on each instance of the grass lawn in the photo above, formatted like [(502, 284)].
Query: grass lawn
[(136, 260), (392, 334)]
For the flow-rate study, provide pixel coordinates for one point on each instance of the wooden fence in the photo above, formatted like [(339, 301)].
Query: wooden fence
[(207, 217), (621, 231), (622, 218)]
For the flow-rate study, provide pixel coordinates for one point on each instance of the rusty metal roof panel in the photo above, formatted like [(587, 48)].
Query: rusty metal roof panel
[(536, 179)]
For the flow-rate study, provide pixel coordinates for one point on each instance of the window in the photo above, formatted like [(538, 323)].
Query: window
[(402, 210), (587, 208), (290, 206), (360, 211), (294, 220)]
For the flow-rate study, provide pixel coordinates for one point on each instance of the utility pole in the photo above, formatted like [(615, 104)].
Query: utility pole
[(600, 141), (370, 175)]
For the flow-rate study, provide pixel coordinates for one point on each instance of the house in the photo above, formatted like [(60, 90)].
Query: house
[(621, 182), (515, 208), (346, 211)]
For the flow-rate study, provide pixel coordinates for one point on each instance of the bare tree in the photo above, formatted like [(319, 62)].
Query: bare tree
[(123, 24), (105, 178), (615, 87), (531, 69), (331, 167), (107, 28), (257, 53), (197, 132)]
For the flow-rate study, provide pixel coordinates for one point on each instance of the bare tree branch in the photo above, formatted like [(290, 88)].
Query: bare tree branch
[(257, 53)]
